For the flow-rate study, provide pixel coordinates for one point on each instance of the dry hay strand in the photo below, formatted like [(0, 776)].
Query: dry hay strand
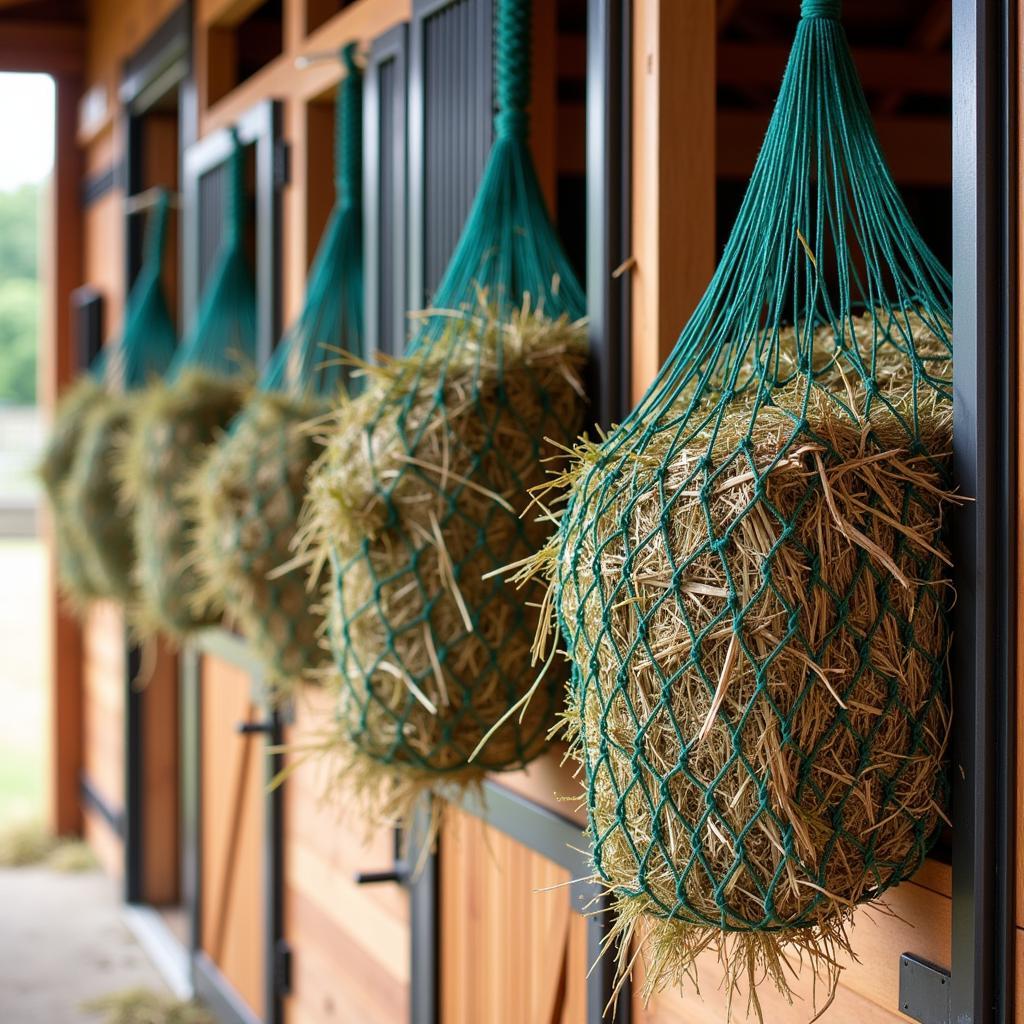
[(760, 700), (418, 497), (99, 519), (246, 498), (76, 585), (174, 426)]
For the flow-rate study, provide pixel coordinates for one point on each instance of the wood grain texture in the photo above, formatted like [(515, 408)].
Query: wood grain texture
[(232, 822), (350, 942), (161, 871), (512, 950), (869, 989), (103, 705), (673, 173), (60, 272)]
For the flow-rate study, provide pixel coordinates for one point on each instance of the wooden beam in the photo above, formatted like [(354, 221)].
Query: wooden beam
[(673, 173), (48, 47), (726, 9), (762, 64), (62, 272), (930, 36), (919, 150)]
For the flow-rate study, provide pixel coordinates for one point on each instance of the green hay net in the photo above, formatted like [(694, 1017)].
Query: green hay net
[(99, 522), (75, 583), (177, 421), (749, 577), (249, 492), (420, 492)]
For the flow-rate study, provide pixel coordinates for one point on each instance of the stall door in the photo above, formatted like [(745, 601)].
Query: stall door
[(233, 852)]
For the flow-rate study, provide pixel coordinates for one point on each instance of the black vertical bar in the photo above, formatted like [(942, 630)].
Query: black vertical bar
[(273, 869), (609, 155), (984, 291), (424, 922), (191, 795), (601, 979)]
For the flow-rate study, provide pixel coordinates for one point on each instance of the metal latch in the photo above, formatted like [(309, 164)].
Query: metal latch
[(924, 990), (282, 968)]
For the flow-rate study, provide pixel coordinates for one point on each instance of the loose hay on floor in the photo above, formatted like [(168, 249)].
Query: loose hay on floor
[(175, 424), (246, 500), (419, 495), (760, 699)]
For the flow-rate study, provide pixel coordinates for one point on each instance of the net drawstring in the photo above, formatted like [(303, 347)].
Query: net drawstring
[(313, 358), (222, 338)]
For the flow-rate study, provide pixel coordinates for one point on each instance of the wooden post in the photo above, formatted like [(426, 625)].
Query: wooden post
[(62, 258), (673, 173)]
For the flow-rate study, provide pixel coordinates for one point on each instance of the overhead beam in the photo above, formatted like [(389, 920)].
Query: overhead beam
[(762, 64), (40, 46)]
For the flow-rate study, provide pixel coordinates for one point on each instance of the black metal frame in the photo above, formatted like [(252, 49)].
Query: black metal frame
[(985, 296), (390, 48), (260, 127), (423, 11), (207, 979), (609, 155), (162, 63)]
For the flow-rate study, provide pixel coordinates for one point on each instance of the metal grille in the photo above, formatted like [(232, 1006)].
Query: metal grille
[(212, 196), (391, 330), (457, 61)]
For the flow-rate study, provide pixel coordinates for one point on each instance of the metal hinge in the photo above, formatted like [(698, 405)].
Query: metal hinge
[(282, 164), (282, 968), (924, 990)]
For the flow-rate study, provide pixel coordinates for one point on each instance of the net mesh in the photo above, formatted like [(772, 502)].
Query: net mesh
[(100, 523), (176, 422), (748, 574), (419, 494), (249, 493)]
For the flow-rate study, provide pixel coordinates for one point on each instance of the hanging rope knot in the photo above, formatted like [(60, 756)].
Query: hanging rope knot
[(821, 9), (510, 124), (512, 67), (348, 130)]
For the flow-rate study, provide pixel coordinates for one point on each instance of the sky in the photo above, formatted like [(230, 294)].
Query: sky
[(26, 129)]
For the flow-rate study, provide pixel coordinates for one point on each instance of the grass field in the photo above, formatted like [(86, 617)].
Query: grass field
[(22, 679)]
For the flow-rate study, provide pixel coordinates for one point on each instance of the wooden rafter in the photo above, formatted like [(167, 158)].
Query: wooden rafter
[(929, 37)]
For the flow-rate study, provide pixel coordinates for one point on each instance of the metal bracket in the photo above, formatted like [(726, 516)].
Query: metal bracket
[(282, 968), (924, 990)]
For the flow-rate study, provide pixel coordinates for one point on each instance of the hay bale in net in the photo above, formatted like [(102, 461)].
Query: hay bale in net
[(749, 574), (174, 426), (176, 423), (76, 584), (101, 523), (248, 495), (419, 495), (246, 498), (418, 500), (100, 528)]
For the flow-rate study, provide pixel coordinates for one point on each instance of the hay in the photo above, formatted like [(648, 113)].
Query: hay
[(99, 522), (27, 843), (246, 502), (76, 584), (760, 706), (418, 495), (142, 1006), (175, 424)]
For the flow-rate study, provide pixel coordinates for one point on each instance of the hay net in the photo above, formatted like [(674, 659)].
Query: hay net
[(204, 390), (249, 493), (419, 493), (97, 520), (748, 575)]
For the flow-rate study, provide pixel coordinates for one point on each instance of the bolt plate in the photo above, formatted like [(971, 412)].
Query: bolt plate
[(924, 990)]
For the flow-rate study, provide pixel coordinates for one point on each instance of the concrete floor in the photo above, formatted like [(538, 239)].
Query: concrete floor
[(62, 942)]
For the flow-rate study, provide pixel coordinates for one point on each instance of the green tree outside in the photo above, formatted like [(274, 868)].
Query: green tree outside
[(20, 294)]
